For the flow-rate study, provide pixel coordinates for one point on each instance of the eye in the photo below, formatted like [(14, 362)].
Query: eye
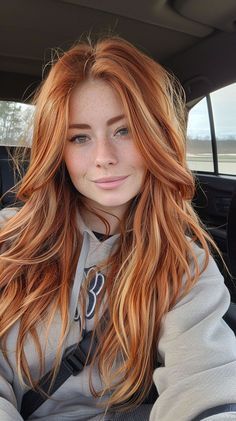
[(80, 139), (122, 132)]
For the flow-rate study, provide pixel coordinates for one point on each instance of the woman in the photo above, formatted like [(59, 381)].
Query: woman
[(107, 242)]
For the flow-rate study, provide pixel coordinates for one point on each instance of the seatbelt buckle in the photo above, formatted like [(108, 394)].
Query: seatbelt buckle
[(75, 360)]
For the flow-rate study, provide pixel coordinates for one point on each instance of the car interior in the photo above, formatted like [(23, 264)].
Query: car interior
[(193, 39)]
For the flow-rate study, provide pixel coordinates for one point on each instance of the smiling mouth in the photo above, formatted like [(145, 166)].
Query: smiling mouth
[(110, 182), (110, 179)]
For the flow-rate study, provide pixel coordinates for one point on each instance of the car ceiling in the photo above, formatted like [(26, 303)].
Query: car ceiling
[(195, 39)]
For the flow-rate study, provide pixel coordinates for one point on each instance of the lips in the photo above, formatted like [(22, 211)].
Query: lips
[(109, 183), (110, 179)]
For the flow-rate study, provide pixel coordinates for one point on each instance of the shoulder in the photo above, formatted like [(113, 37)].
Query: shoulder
[(210, 284), (197, 348), (208, 299), (199, 254), (6, 214)]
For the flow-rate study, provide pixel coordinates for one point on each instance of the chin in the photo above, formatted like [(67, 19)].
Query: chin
[(112, 204)]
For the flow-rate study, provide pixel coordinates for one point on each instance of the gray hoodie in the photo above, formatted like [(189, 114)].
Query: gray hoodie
[(196, 348)]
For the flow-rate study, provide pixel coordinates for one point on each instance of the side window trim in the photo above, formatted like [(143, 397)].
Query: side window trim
[(213, 135)]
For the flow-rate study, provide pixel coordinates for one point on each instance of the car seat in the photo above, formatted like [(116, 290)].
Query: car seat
[(231, 235), (230, 316)]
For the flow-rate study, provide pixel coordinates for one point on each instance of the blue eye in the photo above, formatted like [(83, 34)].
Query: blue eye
[(79, 139), (124, 131)]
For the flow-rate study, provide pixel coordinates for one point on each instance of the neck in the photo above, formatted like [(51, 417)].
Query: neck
[(95, 223)]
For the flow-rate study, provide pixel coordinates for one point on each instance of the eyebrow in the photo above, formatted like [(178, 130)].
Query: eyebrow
[(87, 126)]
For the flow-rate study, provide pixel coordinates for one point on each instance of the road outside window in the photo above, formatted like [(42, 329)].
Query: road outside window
[(224, 113), (199, 132), (199, 150)]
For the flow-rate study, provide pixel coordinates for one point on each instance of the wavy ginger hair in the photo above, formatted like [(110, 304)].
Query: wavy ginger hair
[(41, 243)]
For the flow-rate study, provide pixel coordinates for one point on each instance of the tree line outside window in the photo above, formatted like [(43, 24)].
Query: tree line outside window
[(15, 123)]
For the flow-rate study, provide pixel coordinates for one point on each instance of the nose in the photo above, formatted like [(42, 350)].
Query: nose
[(105, 154)]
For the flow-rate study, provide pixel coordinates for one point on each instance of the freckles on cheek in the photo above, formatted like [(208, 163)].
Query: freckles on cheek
[(73, 165), (77, 169), (70, 161)]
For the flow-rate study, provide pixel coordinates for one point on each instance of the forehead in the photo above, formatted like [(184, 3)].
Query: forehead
[(95, 98)]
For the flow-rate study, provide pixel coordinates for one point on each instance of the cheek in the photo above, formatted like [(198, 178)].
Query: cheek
[(74, 164), (137, 160), (140, 167)]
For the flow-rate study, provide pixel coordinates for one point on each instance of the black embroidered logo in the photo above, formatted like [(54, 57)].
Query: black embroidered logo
[(95, 287)]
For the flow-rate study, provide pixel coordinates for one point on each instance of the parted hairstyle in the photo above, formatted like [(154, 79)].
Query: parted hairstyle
[(40, 245)]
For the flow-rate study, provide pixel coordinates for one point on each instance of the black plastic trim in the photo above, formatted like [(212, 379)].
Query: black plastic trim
[(213, 135), (230, 407)]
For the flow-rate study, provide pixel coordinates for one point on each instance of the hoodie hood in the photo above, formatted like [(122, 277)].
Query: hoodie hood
[(92, 253)]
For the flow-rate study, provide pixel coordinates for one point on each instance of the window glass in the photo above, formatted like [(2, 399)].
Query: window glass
[(15, 123), (199, 150), (224, 113)]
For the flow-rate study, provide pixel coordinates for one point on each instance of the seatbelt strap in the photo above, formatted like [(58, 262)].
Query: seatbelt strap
[(73, 361)]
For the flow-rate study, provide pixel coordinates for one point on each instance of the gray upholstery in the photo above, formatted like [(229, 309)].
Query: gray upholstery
[(231, 236)]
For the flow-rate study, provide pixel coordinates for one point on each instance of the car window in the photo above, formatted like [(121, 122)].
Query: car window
[(224, 113), (15, 123), (211, 133), (199, 148)]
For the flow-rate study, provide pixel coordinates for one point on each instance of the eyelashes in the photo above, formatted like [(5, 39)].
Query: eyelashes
[(83, 138), (123, 131), (80, 139)]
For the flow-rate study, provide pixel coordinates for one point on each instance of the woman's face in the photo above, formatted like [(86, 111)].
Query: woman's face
[(102, 160)]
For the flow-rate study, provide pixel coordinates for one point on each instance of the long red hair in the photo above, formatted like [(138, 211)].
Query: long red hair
[(41, 243)]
